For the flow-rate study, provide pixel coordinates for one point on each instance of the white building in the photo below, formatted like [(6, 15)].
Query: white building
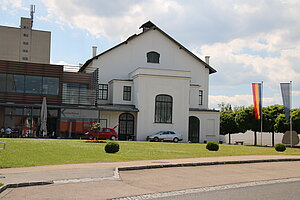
[(149, 83)]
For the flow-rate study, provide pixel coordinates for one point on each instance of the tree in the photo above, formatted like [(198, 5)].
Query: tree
[(270, 114), (246, 121), (224, 107), (228, 124), (296, 120), (281, 124)]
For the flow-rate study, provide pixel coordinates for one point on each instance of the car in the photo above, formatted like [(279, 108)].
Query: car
[(165, 136), (103, 133)]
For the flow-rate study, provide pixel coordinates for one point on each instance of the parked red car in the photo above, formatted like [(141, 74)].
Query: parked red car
[(103, 133)]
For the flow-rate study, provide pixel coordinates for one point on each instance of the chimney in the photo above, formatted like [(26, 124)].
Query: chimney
[(207, 59), (94, 51)]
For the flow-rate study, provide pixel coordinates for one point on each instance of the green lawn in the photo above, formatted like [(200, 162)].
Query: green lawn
[(32, 152)]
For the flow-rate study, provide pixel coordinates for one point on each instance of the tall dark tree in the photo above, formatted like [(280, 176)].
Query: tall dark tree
[(270, 114), (246, 121), (228, 124), (281, 124), (296, 120)]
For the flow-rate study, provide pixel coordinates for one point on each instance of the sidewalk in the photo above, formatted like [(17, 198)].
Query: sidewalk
[(70, 173)]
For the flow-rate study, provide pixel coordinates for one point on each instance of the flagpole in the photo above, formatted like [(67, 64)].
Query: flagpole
[(261, 117), (291, 127)]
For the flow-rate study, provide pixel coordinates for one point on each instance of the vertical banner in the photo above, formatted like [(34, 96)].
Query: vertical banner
[(285, 91), (257, 100)]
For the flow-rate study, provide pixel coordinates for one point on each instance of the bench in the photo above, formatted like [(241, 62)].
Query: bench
[(239, 142), (3, 145)]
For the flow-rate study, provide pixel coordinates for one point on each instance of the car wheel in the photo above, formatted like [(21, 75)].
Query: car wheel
[(175, 140), (91, 137), (113, 137), (156, 139)]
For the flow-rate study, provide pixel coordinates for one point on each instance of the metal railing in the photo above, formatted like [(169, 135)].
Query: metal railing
[(87, 97)]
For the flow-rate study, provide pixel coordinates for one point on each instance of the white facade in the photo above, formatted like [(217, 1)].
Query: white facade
[(177, 74)]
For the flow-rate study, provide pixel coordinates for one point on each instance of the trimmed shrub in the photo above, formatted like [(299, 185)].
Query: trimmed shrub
[(112, 147), (212, 146), (280, 147)]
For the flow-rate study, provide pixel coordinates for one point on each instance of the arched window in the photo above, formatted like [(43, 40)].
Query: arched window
[(153, 57), (163, 108)]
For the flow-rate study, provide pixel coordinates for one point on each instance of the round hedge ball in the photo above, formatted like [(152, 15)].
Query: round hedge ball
[(112, 147), (280, 147), (212, 146)]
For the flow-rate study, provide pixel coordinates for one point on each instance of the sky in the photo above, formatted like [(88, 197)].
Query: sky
[(247, 40)]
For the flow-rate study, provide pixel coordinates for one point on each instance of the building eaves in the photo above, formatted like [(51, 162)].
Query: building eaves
[(117, 107), (203, 110)]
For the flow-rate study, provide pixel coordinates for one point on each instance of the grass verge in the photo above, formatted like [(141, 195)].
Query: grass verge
[(22, 152)]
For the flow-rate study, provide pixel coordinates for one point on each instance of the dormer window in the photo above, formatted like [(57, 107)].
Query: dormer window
[(152, 57)]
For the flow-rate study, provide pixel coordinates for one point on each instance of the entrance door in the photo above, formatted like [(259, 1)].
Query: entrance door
[(194, 127), (126, 126)]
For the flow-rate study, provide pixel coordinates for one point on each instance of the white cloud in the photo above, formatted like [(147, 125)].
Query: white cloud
[(296, 93), (11, 5), (115, 20), (246, 8), (265, 56)]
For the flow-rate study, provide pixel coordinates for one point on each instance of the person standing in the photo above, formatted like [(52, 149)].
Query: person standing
[(8, 131)]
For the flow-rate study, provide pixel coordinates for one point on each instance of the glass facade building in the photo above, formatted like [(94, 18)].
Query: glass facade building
[(70, 97)]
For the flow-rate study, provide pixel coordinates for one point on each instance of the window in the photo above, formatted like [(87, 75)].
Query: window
[(103, 91), (50, 85), (163, 109), (200, 97), (24, 58), (25, 43), (76, 93), (33, 84), (127, 93), (15, 83), (84, 94), (25, 51), (26, 35), (152, 57), (70, 93), (2, 82)]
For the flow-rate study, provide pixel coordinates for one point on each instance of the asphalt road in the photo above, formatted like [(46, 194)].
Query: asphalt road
[(278, 191), (153, 181)]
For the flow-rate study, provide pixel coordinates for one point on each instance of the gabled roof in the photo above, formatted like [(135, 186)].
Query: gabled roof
[(147, 27)]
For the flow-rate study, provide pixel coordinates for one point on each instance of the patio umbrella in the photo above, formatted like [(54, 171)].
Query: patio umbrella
[(44, 117)]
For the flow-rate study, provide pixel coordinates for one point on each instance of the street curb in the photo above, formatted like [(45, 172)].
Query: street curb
[(206, 164), (16, 185), (117, 176)]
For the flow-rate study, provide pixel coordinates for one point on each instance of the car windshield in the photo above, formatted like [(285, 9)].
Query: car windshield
[(159, 133)]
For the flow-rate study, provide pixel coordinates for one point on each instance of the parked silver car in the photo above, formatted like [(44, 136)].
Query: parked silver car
[(165, 136)]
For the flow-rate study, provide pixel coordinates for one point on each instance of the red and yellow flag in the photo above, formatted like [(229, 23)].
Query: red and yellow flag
[(257, 100)]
